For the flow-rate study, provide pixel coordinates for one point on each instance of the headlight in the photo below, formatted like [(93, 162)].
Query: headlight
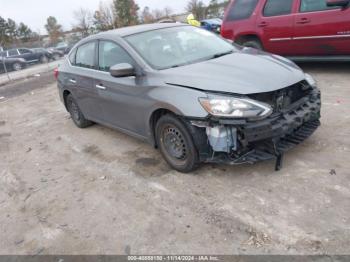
[(310, 80), (235, 107)]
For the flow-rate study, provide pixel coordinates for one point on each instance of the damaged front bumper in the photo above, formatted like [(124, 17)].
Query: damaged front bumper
[(239, 141)]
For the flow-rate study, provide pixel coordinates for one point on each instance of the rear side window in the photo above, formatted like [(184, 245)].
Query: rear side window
[(86, 55), (315, 5), (13, 52), (111, 54), (242, 9), (278, 7)]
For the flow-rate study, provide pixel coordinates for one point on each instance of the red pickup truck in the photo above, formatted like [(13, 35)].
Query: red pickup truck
[(300, 29)]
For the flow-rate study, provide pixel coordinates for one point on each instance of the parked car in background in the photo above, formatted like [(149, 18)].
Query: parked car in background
[(51, 54), (56, 53), (190, 93), (30, 56), (213, 25), (64, 47), (11, 64), (302, 29)]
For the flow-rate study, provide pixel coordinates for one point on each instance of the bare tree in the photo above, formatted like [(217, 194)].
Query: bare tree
[(158, 14), (146, 16), (214, 8), (197, 8), (84, 20), (103, 17), (168, 11)]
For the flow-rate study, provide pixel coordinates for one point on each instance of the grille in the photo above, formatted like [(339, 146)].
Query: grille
[(283, 98)]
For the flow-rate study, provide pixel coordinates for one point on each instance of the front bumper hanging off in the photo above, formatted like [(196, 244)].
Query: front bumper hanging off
[(261, 140), (275, 148)]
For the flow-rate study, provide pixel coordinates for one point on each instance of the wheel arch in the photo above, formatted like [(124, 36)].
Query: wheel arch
[(65, 95), (153, 119), (248, 37)]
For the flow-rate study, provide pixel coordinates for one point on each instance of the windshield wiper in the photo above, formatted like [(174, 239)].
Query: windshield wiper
[(201, 59), (221, 54)]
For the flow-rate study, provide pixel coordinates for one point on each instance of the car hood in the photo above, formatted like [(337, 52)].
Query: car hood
[(244, 72)]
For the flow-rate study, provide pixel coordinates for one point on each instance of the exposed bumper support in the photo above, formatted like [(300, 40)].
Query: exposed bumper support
[(270, 149), (262, 140)]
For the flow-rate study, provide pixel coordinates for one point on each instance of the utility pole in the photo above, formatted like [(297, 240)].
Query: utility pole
[(4, 64)]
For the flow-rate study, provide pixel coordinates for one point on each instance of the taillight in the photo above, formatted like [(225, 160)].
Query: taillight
[(55, 73)]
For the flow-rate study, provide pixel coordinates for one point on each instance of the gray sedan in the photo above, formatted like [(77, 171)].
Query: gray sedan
[(190, 93)]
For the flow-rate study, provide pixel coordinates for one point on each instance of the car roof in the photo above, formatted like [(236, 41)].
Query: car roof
[(131, 30)]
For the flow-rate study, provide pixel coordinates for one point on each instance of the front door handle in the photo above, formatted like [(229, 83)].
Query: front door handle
[(304, 20), (100, 87), (72, 81), (263, 24)]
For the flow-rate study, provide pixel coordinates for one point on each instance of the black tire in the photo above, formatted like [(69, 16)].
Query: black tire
[(17, 67), (254, 44), (176, 144), (76, 114), (44, 59)]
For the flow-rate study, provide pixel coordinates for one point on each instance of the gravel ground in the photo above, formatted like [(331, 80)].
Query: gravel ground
[(97, 191)]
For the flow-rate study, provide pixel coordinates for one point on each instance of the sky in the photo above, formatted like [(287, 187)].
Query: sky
[(35, 12)]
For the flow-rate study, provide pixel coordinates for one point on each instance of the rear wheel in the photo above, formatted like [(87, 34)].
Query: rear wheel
[(176, 144), (254, 44), (76, 114)]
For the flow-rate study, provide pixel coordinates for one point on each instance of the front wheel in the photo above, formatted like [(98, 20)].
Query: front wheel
[(176, 144)]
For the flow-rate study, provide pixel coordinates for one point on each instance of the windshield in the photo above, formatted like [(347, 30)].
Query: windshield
[(177, 46)]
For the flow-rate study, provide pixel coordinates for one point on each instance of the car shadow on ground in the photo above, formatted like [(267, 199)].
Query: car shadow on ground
[(325, 67), (148, 163)]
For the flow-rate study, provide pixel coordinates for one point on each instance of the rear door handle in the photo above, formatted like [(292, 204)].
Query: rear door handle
[(100, 87), (263, 24), (304, 20), (72, 81)]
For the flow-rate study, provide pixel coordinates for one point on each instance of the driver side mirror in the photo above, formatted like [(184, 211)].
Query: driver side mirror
[(122, 70), (342, 3)]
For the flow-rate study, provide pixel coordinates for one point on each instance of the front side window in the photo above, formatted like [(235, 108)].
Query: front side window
[(13, 52), (39, 50), (242, 9), (315, 5), (110, 54), (86, 55), (178, 46), (278, 7)]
